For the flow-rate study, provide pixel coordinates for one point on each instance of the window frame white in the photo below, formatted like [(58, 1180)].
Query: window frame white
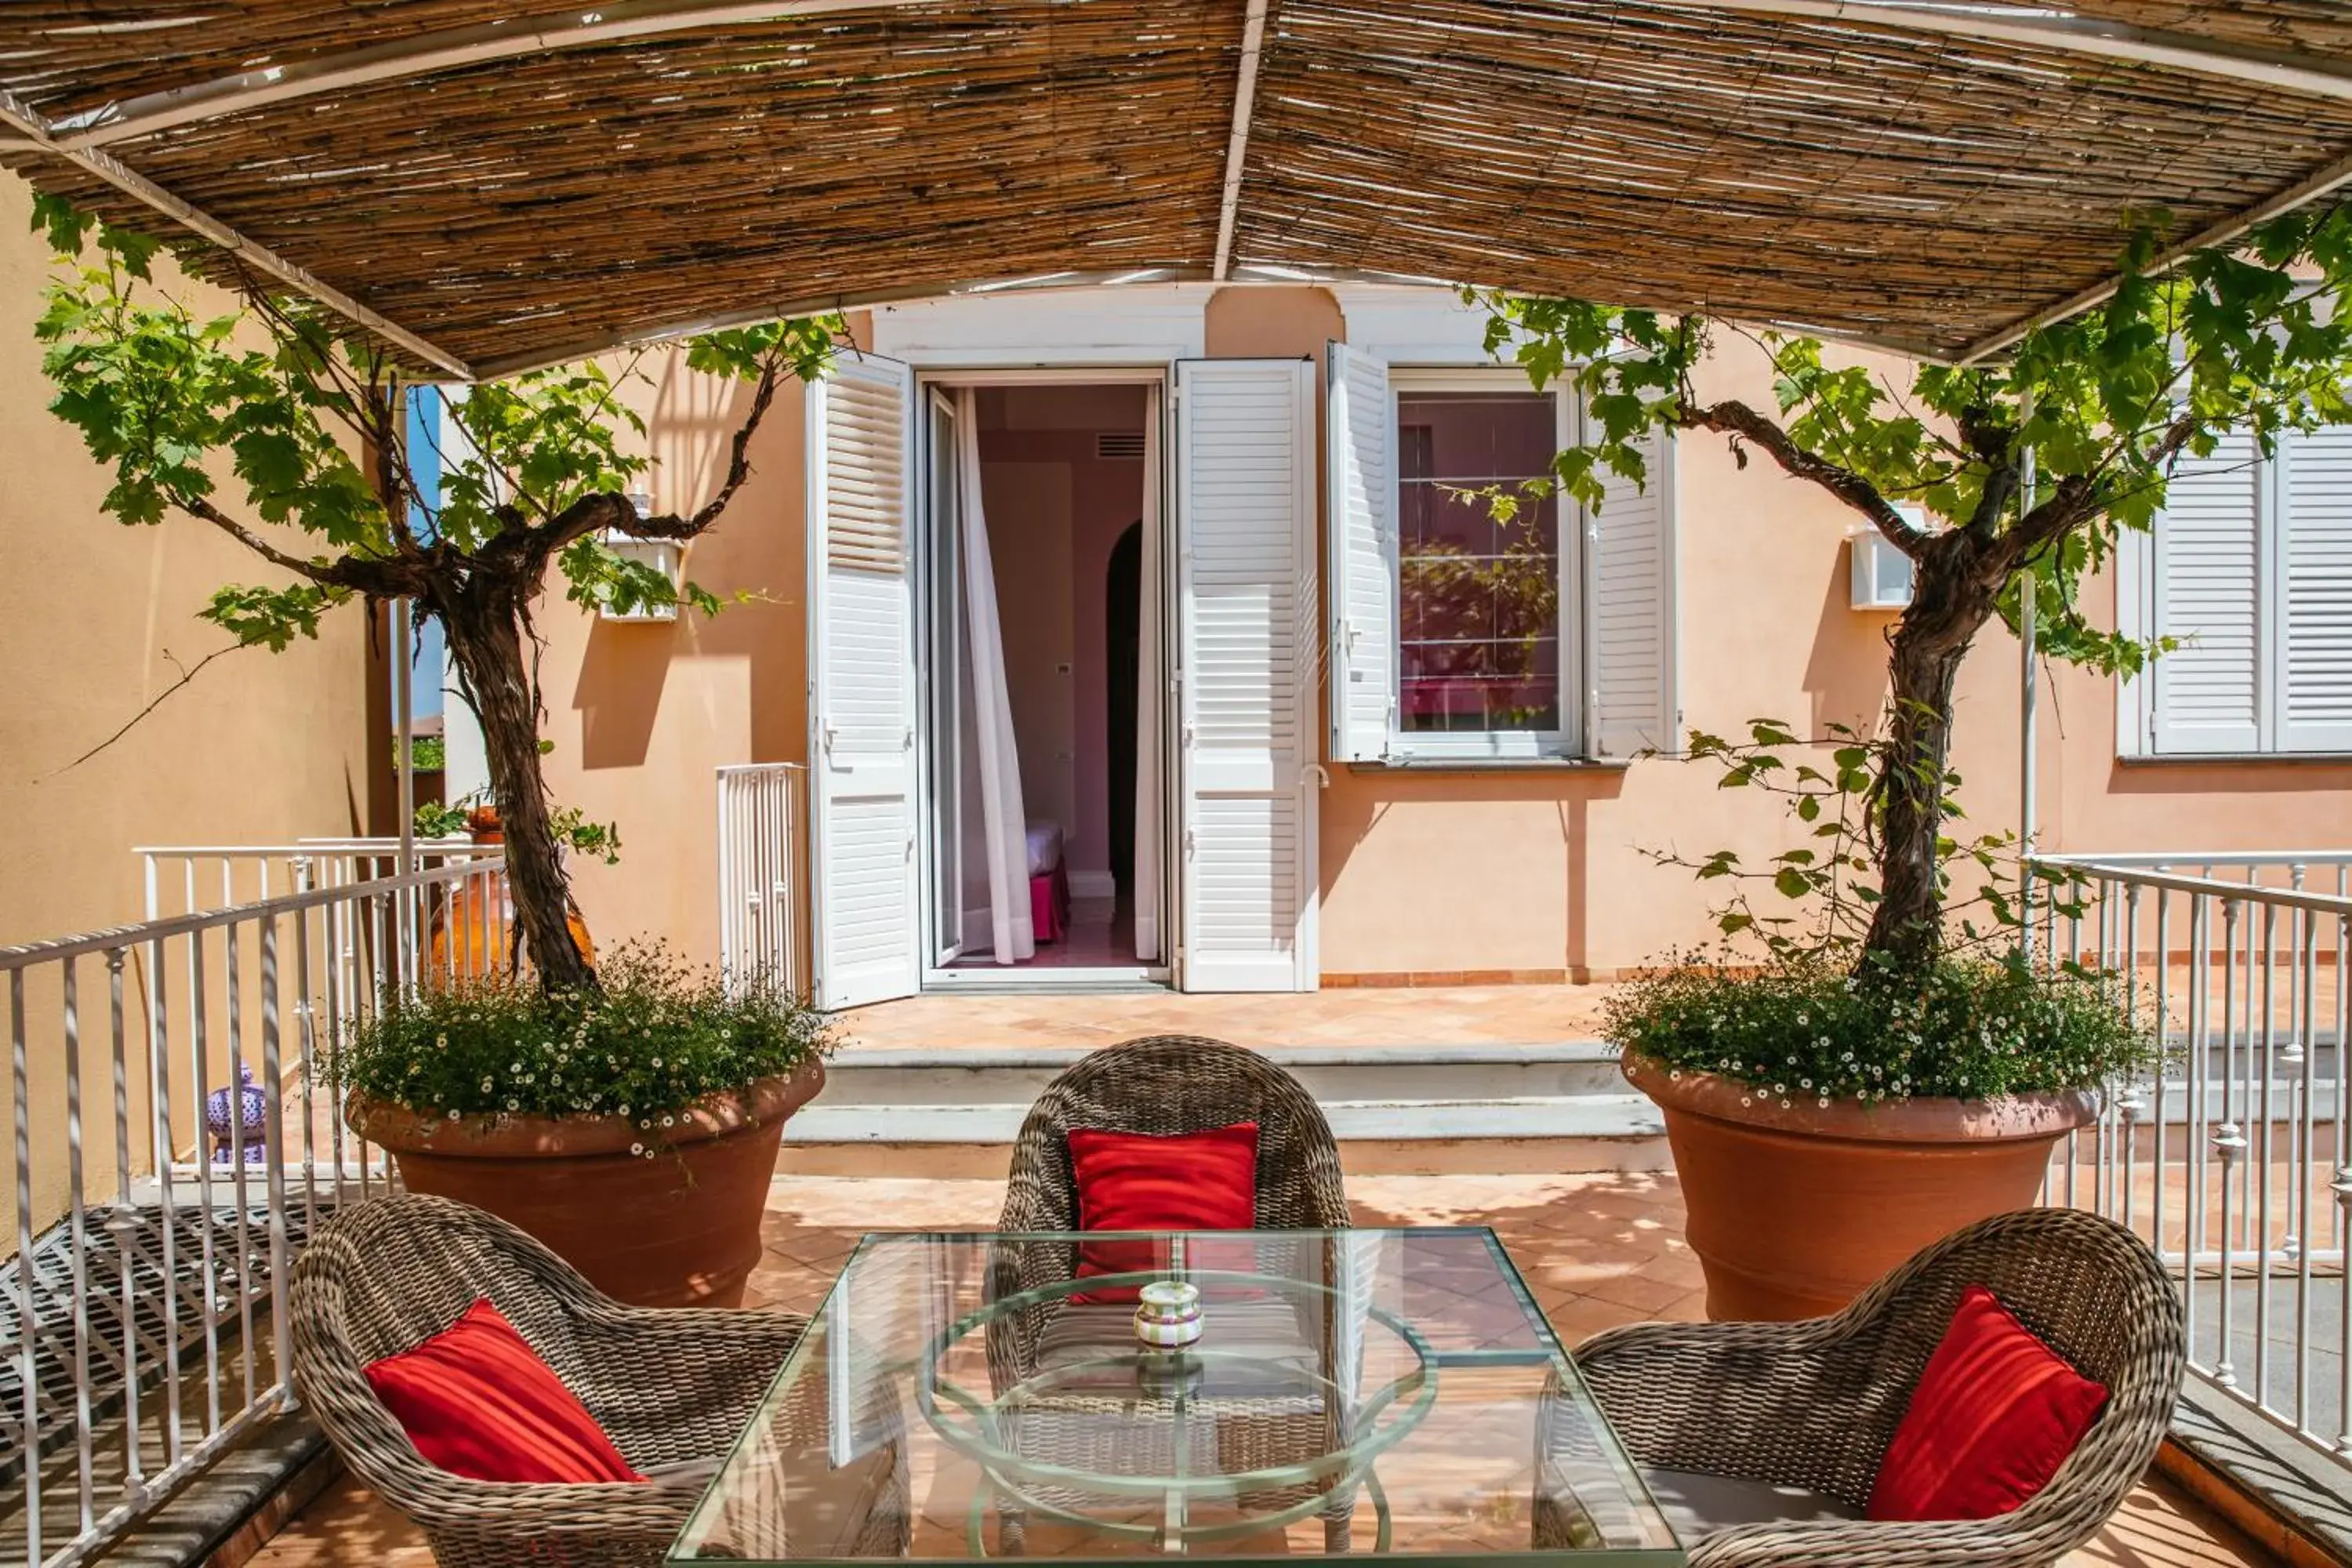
[(1566, 743), (2141, 564)]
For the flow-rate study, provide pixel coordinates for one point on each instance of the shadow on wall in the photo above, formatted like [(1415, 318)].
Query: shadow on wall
[(1846, 675), (755, 549)]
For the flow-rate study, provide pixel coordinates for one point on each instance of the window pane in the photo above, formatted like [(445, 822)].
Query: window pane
[(1478, 602)]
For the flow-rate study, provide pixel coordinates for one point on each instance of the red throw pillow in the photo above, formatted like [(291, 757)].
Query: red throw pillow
[(1995, 1414), (1136, 1181), (477, 1401)]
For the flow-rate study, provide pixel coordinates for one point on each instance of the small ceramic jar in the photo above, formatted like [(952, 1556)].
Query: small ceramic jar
[(1167, 1315)]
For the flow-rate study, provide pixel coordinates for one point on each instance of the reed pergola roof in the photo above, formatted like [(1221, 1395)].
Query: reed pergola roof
[(489, 185)]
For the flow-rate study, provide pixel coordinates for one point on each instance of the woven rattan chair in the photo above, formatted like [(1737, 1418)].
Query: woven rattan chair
[(1165, 1085), (1813, 1406), (671, 1386)]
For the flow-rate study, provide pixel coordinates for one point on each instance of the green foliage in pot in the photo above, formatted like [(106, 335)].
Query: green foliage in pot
[(1798, 1006), (654, 1036), (1809, 1031)]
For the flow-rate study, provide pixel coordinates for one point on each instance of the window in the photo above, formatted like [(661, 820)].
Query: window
[(2250, 568), (1459, 636), (1479, 649)]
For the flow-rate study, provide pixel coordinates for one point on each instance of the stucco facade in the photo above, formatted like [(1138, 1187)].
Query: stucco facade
[(1534, 874), (96, 621)]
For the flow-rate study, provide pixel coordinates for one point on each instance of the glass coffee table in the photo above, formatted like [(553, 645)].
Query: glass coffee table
[(1365, 1392)]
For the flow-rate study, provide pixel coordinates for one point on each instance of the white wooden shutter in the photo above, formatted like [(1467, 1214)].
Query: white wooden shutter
[(1247, 624), (2206, 695), (2312, 654), (862, 696), (1361, 491), (1631, 701)]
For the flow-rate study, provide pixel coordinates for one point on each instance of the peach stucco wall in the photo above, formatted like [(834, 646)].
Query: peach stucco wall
[(96, 621), (1540, 872), (642, 715)]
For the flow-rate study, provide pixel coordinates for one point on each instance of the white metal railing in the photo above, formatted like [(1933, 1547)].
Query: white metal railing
[(190, 878), (2228, 1155), (145, 1299), (763, 817)]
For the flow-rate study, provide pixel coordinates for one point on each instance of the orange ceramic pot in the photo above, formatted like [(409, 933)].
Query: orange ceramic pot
[(681, 1230), (1793, 1213)]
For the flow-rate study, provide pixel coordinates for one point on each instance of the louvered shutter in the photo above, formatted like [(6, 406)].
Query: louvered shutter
[(1361, 535), (1631, 702), (1246, 585), (2207, 593), (862, 680), (2313, 654)]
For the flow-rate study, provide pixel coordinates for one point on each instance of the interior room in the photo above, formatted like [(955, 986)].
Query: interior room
[(1049, 623)]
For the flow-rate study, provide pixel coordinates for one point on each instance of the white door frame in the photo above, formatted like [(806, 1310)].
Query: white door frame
[(1032, 977)]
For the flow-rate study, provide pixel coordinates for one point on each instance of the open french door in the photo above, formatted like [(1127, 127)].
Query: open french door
[(1247, 631), (865, 892)]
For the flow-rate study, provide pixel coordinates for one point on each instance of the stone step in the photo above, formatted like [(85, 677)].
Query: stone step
[(1546, 1107)]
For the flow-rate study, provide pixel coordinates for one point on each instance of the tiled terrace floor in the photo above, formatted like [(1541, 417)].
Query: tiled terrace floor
[(1457, 1015), (1596, 1249)]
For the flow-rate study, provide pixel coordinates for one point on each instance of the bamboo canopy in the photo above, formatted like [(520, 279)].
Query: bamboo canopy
[(490, 186)]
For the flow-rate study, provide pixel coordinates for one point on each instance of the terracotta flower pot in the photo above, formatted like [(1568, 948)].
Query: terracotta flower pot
[(1793, 1213), (680, 1229)]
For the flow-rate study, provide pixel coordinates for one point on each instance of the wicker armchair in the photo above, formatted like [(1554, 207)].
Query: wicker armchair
[(1165, 1085), (669, 1385), (1813, 1404)]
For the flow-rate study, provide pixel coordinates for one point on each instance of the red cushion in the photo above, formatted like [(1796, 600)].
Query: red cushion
[(1135, 1181), (1995, 1414), (476, 1399)]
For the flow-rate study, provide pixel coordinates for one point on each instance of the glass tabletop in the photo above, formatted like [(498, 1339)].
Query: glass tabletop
[(1355, 1391)]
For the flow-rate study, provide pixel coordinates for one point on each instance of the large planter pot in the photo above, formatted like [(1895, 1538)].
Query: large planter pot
[(680, 1229), (1793, 1213)]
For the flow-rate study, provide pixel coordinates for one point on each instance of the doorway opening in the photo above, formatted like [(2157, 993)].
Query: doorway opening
[(1046, 766)]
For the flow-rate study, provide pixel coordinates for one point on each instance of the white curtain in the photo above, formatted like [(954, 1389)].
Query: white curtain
[(1006, 825), (1149, 794)]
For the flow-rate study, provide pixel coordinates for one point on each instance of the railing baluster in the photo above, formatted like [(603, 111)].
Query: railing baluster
[(160, 1061), (234, 1087), (206, 1277), (274, 1161), (125, 1225), (27, 1325), (2229, 1142), (2306, 1025), (77, 1229), (2157, 1236), (2200, 1057), (2262, 1233)]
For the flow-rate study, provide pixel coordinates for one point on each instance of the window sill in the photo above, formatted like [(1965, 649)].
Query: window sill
[(2234, 759), (1494, 765)]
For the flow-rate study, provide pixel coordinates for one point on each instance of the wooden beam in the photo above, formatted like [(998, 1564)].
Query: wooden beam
[(1237, 143), (2326, 182), (2042, 27), (23, 118), (453, 48)]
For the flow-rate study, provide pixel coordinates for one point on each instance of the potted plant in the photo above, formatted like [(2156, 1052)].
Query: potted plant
[(1832, 1113), (1875, 1074), (633, 1127)]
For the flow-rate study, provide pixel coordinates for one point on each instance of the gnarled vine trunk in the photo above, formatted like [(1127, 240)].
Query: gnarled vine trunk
[(1959, 581), (483, 620)]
